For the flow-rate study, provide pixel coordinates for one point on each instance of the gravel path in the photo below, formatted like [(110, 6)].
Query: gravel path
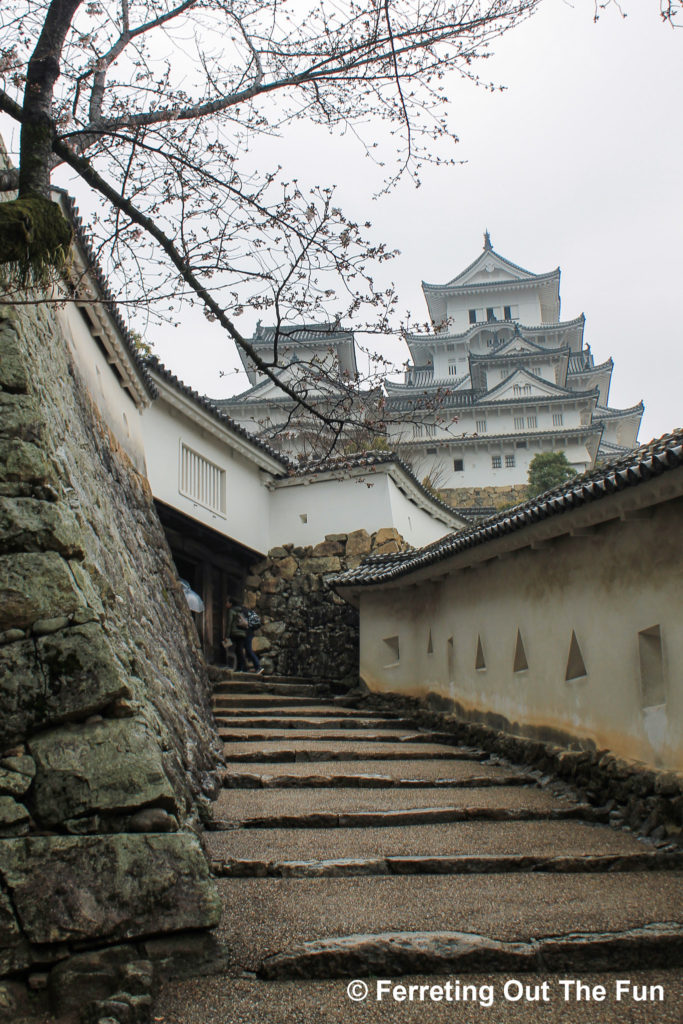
[(516, 837)]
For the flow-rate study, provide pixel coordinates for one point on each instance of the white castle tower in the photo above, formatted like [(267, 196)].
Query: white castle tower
[(501, 379)]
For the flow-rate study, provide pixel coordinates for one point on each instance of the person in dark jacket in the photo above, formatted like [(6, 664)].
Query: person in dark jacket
[(238, 632)]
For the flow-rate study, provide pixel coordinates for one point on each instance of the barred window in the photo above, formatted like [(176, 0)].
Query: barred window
[(519, 423), (557, 419), (201, 481), (509, 461), (496, 462)]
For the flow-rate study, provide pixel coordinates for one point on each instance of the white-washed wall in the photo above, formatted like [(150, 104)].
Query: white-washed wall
[(611, 589), (245, 518)]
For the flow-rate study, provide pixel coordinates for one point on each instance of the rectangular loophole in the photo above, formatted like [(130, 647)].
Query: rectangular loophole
[(392, 649), (652, 688)]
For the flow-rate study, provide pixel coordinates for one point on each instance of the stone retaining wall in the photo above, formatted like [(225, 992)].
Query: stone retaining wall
[(107, 744), (307, 629), (468, 497)]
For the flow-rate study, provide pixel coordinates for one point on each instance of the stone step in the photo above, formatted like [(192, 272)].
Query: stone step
[(379, 771), (269, 701), (473, 1000), (313, 750), (260, 708), (277, 725), (349, 867), (415, 816), (395, 953), (257, 685), (354, 734), (274, 804), (252, 780), (221, 675), (472, 839), (277, 914)]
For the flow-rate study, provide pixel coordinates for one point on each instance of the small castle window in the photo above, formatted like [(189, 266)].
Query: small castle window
[(481, 426), (509, 461), (496, 462), (458, 465), (532, 421), (473, 316)]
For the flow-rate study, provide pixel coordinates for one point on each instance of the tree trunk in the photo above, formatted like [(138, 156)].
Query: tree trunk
[(42, 73)]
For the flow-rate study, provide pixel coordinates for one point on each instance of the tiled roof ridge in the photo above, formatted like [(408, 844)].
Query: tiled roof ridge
[(430, 338), (369, 459), (264, 335), (107, 299), (638, 465), (486, 285), (607, 412), (209, 406), (538, 350)]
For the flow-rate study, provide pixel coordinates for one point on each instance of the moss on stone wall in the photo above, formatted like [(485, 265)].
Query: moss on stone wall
[(107, 741), (35, 239)]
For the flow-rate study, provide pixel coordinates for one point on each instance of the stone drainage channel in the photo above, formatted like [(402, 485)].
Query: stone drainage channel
[(371, 871)]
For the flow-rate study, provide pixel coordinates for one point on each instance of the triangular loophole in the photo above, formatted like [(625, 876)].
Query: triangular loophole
[(576, 666), (430, 644), (520, 655), (479, 662)]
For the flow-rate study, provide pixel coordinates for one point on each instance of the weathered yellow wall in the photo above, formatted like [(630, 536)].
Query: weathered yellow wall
[(622, 578)]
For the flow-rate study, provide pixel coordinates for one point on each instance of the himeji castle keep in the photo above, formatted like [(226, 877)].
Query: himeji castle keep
[(501, 378)]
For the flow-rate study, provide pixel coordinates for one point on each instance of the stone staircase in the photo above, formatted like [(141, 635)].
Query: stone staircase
[(355, 852)]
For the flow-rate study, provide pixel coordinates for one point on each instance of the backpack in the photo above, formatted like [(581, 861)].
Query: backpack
[(253, 619)]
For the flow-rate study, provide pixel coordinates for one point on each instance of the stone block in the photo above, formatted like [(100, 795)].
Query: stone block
[(321, 565), (389, 547), (274, 630), (14, 950), (287, 567), (387, 533), (260, 644), (27, 524), (277, 553), (108, 887), (358, 543), (14, 374), (20, 417), (14, 818), (23, 462), (252, 581), (35, 586), (270, 586), (63, 676), (13, 783), (327, 548), (113, 765), (337, 536), (86, 977)]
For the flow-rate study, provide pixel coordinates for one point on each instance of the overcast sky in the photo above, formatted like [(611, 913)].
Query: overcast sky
[(579, 163)]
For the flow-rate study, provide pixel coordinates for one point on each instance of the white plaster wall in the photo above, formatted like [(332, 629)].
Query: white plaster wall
[(528, 303), (414, 524), (247, 499), (606, 587), (118, 409), (477, 470), (370, 503)]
